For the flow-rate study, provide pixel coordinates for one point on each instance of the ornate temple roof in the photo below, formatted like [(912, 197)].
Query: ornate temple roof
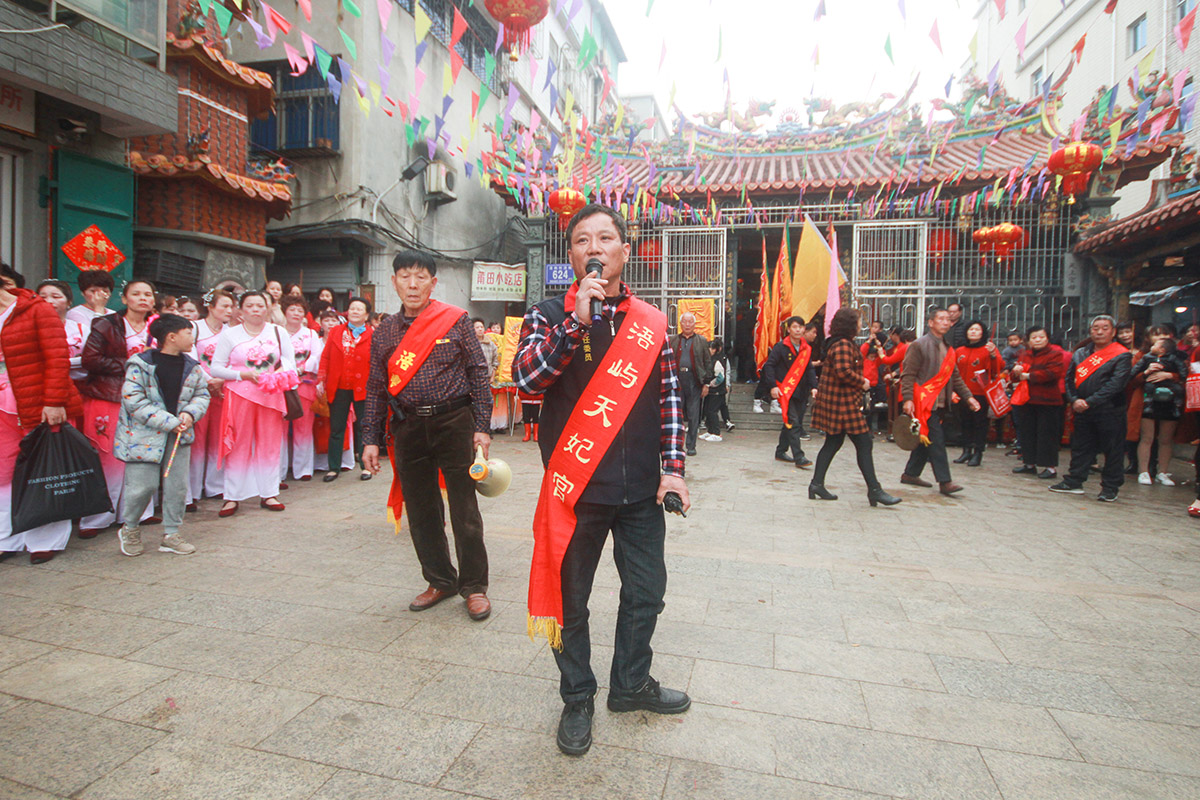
[(1137, 230), (278, 195), (260, 87)]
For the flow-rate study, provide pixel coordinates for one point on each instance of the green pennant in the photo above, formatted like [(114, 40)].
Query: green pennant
[(970, 106), (224, 16), (206, 6), (350, 46), (411, 135), (887, 48), (489, 65), (353, 9), (649, 6), (483, 98), (324, 61), (587, 49)]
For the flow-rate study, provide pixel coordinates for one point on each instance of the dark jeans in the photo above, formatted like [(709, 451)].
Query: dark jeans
[(1040, 431), (639, 531), (801, 397), (530, 413), (691, 407), (1098, 432), (425, 445), (862, 449), (714, 410), (339, 412), (789, 438), (974, 424), (934, 453)]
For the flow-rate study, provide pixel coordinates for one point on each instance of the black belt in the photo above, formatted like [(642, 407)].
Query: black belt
[(685, 369), (438, 408)]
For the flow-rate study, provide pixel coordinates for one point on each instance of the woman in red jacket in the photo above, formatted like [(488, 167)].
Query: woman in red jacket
[(979, 363), (112, 341), (1038, 406), (35, 387), (342, 379)]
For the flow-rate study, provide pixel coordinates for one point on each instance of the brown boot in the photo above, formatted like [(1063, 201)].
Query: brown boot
[(949, 487), (911, 481)]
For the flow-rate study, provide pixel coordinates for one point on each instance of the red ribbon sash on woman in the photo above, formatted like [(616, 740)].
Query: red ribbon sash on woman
[(794, 374), (433, 323), (925, 394), (590, 430), (1097, 360)]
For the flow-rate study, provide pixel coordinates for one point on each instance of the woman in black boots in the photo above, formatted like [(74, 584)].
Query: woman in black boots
[(839, 409)]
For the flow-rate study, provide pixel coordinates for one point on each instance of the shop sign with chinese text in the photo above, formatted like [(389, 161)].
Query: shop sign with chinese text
[(16, 108), (495, 281)]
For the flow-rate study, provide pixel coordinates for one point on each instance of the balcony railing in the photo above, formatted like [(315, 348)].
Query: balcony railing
[(306, 121)]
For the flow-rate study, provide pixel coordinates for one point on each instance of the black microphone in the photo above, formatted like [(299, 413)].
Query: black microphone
[(594, 267)]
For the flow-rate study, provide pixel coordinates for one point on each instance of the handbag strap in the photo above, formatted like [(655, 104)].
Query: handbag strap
[(278, 341)]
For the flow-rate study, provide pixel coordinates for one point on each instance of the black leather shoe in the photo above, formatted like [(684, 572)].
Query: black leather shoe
[(803, 463), (331, 476), (976, 458), (651, 697), (575, 727), (965, 457), (783, 457), (1025, 469), (818, 490), (878, 495)]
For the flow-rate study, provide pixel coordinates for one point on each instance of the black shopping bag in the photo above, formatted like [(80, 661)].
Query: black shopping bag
[(57, 477)]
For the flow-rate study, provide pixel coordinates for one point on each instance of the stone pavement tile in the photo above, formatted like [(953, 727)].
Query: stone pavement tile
[(219, 578), (809, 622), (186, 767), (327, 567), (837, 601), (692, 780), (16, 791), (716, 644), (218, 652), (961, 615), (922, 638), (708, 734), (966, 720), (702, 586), (390, 680), (100, 632), (930, 559), (344, 595), (81, 681), (122, 597), (7, 701), (879, 581), (791, 694), (692, 565), (1093, 659), (466, 646), (1123, 634), (244, 614), (22, 613), (856, 662), (884, 763), (1133, 743), (986, 595), (1020, 775), (62, 751), (338, 628), (350, 785), (30, 581), (405, 577), (391, 742), (208, 707), (1176, 703), (1160, 611), (674, 672), (1034, 686), (505, 764), (784, 574), (497, 698), (13, 651), (1064, 568)]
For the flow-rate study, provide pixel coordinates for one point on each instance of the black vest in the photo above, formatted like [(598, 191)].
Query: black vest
[(630, 470)]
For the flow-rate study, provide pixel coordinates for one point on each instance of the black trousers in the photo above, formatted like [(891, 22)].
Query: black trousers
[(862, 449), (339, 412), (789, 438), (802, 397), (530, 413), (1098, 432), (425, 445), (714, 410), (690, 390), (639, 531), (974, 424), (933, 453), (1040, 431)]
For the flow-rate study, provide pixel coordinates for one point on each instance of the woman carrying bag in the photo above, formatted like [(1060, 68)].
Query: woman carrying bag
[(342, 380), (35, 387), (838, 409), (306, 347)]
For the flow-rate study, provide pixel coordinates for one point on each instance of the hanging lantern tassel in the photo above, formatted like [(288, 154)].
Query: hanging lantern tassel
[(1007, 237), (1075, 163)]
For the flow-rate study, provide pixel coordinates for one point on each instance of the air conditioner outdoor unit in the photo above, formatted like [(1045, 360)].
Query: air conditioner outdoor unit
[(439, 183)]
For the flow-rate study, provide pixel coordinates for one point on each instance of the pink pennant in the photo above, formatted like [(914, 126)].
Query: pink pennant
[(1183, 31), (1156, 127), (418, 80), (457, 30), (533, 70), (277, 20), (1020, 38), (474, 103), (1077, 128), (299, 65), (933, 34), (456, 63), (663, 58), (1000, 8), (535, 119), (608, 87), (1177, 85), (308, 46), (306, 7), (385, 13)]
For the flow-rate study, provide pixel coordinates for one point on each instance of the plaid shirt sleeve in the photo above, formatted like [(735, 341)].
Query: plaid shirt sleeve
[(671, 442)]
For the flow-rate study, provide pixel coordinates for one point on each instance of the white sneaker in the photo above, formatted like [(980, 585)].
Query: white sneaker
[(131, 540), (1145, 480), (775, 409), (176, 544), (758, 407), (712, 437), (703, 437), (729, 425), (1165, 479)]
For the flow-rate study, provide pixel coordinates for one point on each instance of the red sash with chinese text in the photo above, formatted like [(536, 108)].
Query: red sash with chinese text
[(1097, 360), (590, 430), (433, 323), (925, 394), (788, 387)]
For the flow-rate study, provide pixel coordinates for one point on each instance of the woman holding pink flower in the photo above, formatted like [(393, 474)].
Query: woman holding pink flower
[(257, 363)]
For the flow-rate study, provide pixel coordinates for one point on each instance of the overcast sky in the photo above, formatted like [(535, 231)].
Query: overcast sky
[(767, 46)]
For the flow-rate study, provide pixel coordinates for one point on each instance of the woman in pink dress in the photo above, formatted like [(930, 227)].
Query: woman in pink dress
[(247, 357), (113, 339), (306, 346), (59, 295), (206, 478)]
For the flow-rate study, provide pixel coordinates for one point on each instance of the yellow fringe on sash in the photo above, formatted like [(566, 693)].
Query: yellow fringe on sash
[(396, 521), (547, 627)]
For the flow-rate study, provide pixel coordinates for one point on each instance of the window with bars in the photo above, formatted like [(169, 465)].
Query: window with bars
[(1136, 34), (306, 119), (474, 45), (1184, 7)]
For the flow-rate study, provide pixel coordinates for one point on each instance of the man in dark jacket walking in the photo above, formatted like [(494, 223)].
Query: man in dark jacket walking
[(1096, 391), (695, 371), (779, 363)]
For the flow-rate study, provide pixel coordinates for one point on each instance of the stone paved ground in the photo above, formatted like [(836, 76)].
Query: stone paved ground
[(1009, 643)]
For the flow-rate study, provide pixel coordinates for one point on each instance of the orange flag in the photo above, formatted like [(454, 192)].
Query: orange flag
[(766, 315), (783, 279)]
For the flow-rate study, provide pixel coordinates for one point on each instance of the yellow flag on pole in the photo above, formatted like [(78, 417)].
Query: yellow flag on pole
[(783, 278), (810, 278)]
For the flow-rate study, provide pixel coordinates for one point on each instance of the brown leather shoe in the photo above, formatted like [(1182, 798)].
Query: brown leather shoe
[(478, 606), (428, 599), (911, 481), (949, 487)]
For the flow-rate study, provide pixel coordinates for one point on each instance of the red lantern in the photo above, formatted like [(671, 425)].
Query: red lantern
[(650, 251), (518, 18), (566, 203), (983, 238), (939, 242), (1007, 237), (1075, 163)]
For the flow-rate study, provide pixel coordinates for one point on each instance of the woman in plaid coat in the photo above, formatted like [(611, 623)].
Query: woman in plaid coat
[(838, 409)]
